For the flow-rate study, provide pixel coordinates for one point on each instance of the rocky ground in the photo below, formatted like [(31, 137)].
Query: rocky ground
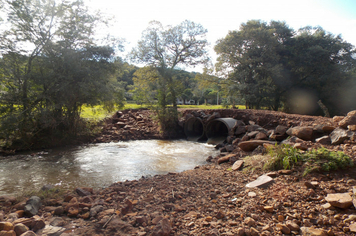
[(215, 199)]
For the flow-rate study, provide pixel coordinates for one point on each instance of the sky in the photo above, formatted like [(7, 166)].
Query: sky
[(221, 16)]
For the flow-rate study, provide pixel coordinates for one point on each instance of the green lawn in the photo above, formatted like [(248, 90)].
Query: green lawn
[(98, 113)]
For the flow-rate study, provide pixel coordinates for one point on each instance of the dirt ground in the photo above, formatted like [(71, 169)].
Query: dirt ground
[(210, 200)]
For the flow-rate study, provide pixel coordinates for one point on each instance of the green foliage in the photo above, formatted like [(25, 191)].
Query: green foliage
[(162, 49), (271, 65), (324, 160), (283, 157), (321, 159), (45, 83)]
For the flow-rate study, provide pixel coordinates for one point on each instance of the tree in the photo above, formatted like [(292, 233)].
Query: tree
[(50, 66), (164, 48), (272, 66), (251, 59)]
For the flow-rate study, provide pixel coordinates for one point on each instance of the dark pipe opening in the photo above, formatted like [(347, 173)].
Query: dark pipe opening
[(219, 129), (194, 129)]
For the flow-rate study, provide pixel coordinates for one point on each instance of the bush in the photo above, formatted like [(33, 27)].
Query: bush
[(321, 159)]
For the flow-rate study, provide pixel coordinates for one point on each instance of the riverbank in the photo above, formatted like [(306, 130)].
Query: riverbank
[(210, 200)]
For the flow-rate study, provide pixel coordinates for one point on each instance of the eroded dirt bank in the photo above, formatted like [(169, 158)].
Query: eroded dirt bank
[(209, 200)]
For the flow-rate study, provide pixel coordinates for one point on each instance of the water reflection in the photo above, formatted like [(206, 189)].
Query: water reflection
[(100, 165)]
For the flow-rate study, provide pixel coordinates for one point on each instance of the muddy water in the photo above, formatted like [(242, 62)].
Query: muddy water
[(99, 165)]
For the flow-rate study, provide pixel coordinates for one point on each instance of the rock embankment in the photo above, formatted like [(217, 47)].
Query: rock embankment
[(220, 198)]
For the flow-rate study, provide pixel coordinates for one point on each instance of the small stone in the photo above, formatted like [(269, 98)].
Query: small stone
[(262, 182), (353, 227), (29, 233), (327, 206), (254, 232), (269, 208), (237, 165), (306, 231), (341, 200), (280, 218), (309, 185), (252, 194), (292, 226), (32, 206), (6, 226), (283, 228), (20, 229), (285, 172), (250, 222), (240, 231), (7, 233), (209, 219)]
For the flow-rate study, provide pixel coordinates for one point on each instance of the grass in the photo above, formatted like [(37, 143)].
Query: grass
[(98, 113), (321, 159)]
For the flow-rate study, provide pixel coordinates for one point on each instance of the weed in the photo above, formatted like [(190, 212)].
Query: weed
[(282, 157), (321, 159), (324, 160)]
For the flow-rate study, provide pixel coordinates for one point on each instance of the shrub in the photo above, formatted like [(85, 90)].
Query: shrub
[(321, 159)]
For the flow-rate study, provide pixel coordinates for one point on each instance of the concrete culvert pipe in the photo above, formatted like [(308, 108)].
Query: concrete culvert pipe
[(194, 129), (219, 129)]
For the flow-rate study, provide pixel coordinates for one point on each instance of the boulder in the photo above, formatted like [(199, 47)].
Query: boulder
[(32, 206), (302, 132), (249, 146), (350, 119)]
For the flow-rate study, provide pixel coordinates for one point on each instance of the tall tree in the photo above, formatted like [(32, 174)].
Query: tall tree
[(270, 62), (251, 59), (165, 48), (50, 66)]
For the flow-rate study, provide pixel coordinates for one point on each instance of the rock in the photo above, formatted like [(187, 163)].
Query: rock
[(81, 192), (95, 210), (292, 226), (341, 200), (249, 146), (226, 158), (261, 136), (26, 221), (38, 224), (302, 132), (323, 140), (7, 233), (268, 209), (337, 119), (237, 165), (32, 206), (350, 119), (162, 229), (306, 231), (29, 233), (9, 199), (283, 228), (58, 211), (338, 136), (250, 221), (300, 146), (20, 229), (6, 226), (254, 232), (118, 226), (353, 227), (262, 182), (50, 230)]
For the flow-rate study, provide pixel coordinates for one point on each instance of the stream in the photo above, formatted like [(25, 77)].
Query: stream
[(99, 165)]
